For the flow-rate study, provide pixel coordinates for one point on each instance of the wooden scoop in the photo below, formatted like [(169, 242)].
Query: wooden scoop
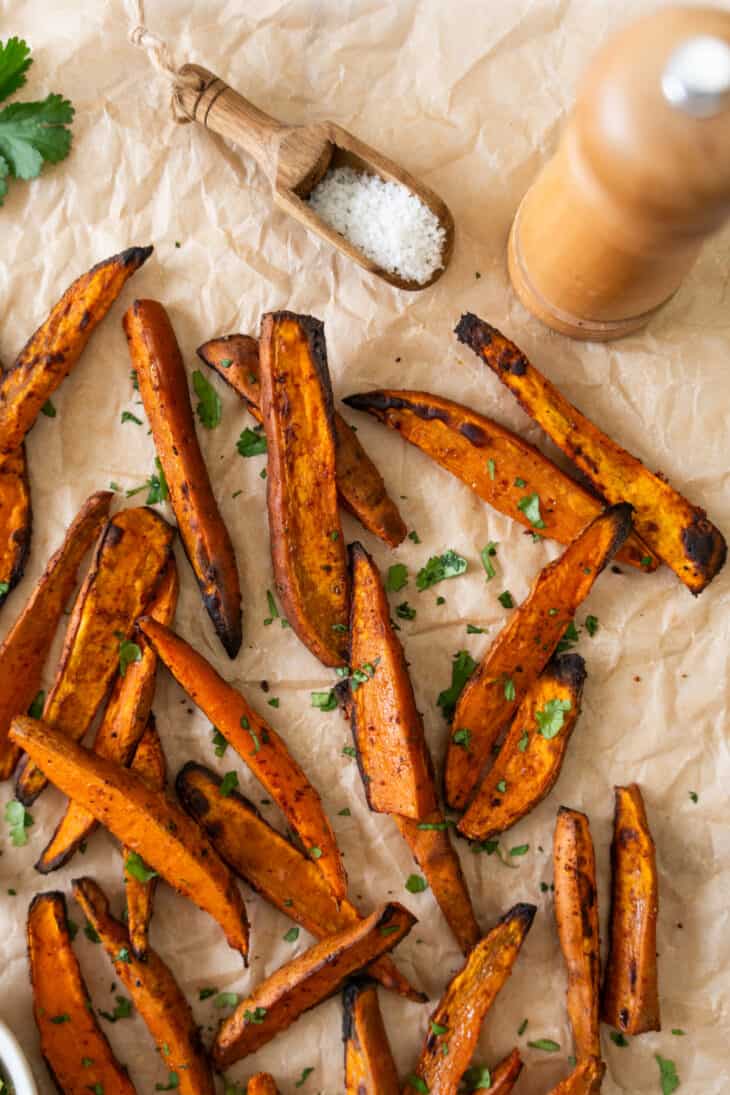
[(296, 157)]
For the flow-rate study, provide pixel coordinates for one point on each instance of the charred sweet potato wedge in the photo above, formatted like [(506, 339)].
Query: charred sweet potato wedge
[(585, 1079), (69, 1032), (50, 354), (675, 529), (149, 763), (16, 520), (523, 648), (369, 1065), (306, 981), (532, 753), (359, 483), (145, 821), (261, 1084), (307, 545), (163, 385), (130, 557), (154, 992), (257, 744), (505, 1075), (25, 648), (630, 989), (465, 1003)]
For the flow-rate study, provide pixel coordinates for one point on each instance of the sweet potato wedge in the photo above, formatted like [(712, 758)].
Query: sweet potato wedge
[(25, 648), (497, 464), (677, 531), (16, 520), (359, 483), (155, 994), (73, 1044), (130, 556), (465, 1003), (524, 646), (149, 763), (585, 1079), (307, 545), (50, 354), (369, 1065), (261, 1084), (146, 821), (576, 916), (273, 866), (163, 385), (306, 981), (504, 1076), (630, 989), (258, 744), (532, 753)]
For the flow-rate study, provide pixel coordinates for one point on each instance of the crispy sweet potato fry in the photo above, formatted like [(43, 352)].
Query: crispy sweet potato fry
[(585, 1079), (504, 1076), (16, 520), (69, 1032), (359, 483), (258, 744), (524, 646), (306, 981), (51, 353), (307, 545), (630, 988), (146, 821), (155, 993), (261, 1084), (25, 649), (532, 754), (163, 386), (466, 1001), (679, 532), (149, 763), (369, 1065)]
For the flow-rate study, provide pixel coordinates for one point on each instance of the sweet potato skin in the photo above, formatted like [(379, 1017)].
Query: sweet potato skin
[(369, 1065), (16, 519), (307, 545), (506, 1074), (527, 767), (262, 1084), (59, 990), (679, 532), (585, 1079), (149, 763), (524, 646), (163, 386), (630, 989)]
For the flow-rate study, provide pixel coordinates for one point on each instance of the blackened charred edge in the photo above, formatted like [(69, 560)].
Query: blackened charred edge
[(346, 698), (229, 631), (621, 515), (235, 339), (704, 545), (133, 256), (477, 334), (113, 534), (381, 401), (47, 866), (313, 330), (523, 912), (570, 669), (350, 993), (192, 798), (21, 537), (574, 815), (57, 897)]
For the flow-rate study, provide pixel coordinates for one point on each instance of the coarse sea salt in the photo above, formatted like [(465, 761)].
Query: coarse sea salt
[(384, 220)]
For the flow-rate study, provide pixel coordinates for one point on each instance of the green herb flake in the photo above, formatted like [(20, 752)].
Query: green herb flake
[(694, 796), (509, 689), (346, 812), (226, 1000), (397, 578), (462, 668), (668, 1077), (225, 362), (547, 1045), (506, 600), (273, 702), (315, 852), (678, 1031), (123, 955), (502, 786), (127, 416), (129, 653), (418, 1084), (440, 600), (256, 1016), (219, 742), (551, 718), (530, 506), (208, 409), (591, 625), (306, 1073), (87, 1062), (646, 560), (388, 929), (251, 443), (136, 868), (91, 933), (439, 568), (523, 742), (405, 611), (522, 1028), (618, 1039), (19, 821), (413, 535), (486, 555), (123, 1010), (436, 1028), (205, 994), (229, 782), (47, 409), (416, 884), (569, 639), (291, 936), (491, 469), (349, 751), (520, 482), (519, 849), (478, 1078), (57, 1019), (472, 629), (173, 1082), (325, 701), (462, 737)]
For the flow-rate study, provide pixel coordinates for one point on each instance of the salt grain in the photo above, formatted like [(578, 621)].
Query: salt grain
[(386, 221)]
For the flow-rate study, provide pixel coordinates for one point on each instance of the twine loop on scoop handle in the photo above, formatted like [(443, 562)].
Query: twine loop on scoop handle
[(161, 58)]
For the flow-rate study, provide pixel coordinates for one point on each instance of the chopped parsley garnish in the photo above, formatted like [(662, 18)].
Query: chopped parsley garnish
[(219, 741), (251, 442), (509, 689), (205, 994), (491, 469), (325, 701), (413, 535), (397, 578), (678, 1031), (136, 868), (668, 1077), (173, 1082), (416, 884), (405, 611), (256, 1016), (127, 416), (156, 487), (440, 600), (646, 560), (19, 821), (530, 506), (435, 826), (440, 567), (545, 1044), (227, 1000), (502, 786), (418, 1084), (346, 812), (208, 409), (315, 852), (523, 742), (522, 1028), (123, 955), (388, 929), (436, 1028), (618, 1039), (123, 1010), (349, 751), (694, 796), (472, 629), (230, 780), (462, 737), (569, 639), (91, 933), (129, 652), (65, 1018), (306, 1073), (291, 936), (519, 849), (273, 702), (225, 362), (48, 409), (591, 625), (462, 668), (520, 482), (551, 718), (478, 1078), (486, 555), (506, 600)]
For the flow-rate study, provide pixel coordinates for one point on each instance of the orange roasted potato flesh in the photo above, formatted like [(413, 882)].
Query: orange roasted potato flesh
[(163, 385), (630, 1000), (147, 822), (155, 993), (585, 1079), (26, 646), (359, 483), (504, 1076), (50, 354), (261, 1084), (69, 1031), (524, 646), (532, 753), (306, 981), (465, 1003), (257, 744), (676, 530), (149, 763), (369, 1065), (130, 557), (16, 519), (307, 545), (496, 463)]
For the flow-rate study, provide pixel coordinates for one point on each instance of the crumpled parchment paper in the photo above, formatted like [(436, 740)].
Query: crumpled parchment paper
[(469, 96)]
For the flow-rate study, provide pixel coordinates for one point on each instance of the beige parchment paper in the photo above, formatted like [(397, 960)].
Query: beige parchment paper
[(470, 96)]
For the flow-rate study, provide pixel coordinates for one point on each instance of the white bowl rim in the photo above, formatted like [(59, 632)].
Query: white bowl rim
[(15, 1062)]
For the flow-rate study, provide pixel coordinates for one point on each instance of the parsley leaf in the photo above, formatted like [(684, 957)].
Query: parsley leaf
[(667, 1075), (569, 639), (15, 60), (509, 689), (491, 468), (530, 506), (306, 1072), (229, 782), (19, 820), (462, 737), (591, 625), (519, 849), (219, 742), (128, 652), (205, 994), (486, 555), (462, 668), (251, 443), (226, 1000), (506, 600), (523, 742), (618, 1039), (440, 567), (31, 132), (48, 409), (291, 936), (405, 611), (127, 416), (325, 701), (478, 1078), (123, 1010), (546, 1044), (173, 1082), (418, 1084), (256, 1016), (136, 868), (416, 884), (551, 718), (397, 578), (208, 409)]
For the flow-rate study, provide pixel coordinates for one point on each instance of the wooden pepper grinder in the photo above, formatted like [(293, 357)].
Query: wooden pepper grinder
[(642, 176)]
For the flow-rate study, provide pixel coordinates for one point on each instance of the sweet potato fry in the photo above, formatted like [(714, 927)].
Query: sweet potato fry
[(50, 354), (524, 646), (163, 386), (306, 981), (149, 763), (146, 821), (73, 1044), (679, 532), (25, 649), (585, 1079), (130, 556), (463, 1007), (16, 520), (261, 1084), (307, 545), (504, 1076), (630, 988), (359, 483), (155, 994), (532, 754), (497, 464), (369, 1065), (258, 744)]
